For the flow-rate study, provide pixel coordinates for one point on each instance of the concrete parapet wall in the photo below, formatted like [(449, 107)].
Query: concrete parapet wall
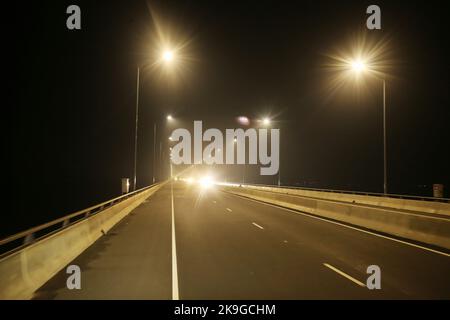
[(25, 271), (423, 228), (437, 207)]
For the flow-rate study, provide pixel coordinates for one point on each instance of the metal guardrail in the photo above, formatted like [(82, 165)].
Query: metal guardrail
[(24, 238), (397, 196)]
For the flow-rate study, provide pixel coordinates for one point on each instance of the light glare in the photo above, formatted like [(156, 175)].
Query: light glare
[(168, 56), (206, 182), (243, 120), (358, 65)]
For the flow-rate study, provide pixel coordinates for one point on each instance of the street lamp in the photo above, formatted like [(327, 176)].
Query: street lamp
[(167, 58), (358, 66), (168, 55), (243, 120), (266, 121), (169, 118)]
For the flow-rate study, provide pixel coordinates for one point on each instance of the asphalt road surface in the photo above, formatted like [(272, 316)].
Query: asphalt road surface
[(192, 243)]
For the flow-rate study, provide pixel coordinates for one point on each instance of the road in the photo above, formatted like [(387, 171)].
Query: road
[(185, 242)]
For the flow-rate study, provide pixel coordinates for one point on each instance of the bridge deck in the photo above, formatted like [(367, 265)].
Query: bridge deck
[(234, 248)]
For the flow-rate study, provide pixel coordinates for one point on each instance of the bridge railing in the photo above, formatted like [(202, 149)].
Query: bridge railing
[(27, 237)]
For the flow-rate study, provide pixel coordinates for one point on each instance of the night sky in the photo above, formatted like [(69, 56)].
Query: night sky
[(69, 122)]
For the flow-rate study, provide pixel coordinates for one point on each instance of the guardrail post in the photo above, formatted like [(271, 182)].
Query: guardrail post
[(29, 238), (65, 223)]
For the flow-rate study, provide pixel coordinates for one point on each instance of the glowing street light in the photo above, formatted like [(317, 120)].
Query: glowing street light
[(243, 120), (168, 56), (169, 118), (267, 122), (357, 65)]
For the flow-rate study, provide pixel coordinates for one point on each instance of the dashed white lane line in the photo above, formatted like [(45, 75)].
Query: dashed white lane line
[(359, 283), (257, 225), (229, 210)]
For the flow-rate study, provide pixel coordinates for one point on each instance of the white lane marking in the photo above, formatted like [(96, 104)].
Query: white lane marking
[(257, 225), (228, 209), (359, 283), (346, 226), (175, 294)]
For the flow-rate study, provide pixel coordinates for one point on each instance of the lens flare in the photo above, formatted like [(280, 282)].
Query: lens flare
[(358, 65), (206, 182), (362, 59), (243, 120)]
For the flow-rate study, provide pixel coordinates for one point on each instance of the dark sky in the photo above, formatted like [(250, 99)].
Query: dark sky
[(69, 125)]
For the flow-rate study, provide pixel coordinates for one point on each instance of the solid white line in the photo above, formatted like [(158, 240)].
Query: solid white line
[(359, 283), (175, 294), (346, 226), (228, 209), (257, 225)]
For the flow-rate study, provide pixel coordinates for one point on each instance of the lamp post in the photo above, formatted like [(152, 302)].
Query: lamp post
[(358, 66), (267, 122), (154, 152), (167, 57), (384, 140), (136, 128)]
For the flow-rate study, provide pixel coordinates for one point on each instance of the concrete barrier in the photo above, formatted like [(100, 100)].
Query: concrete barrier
[(436, 207), (423, 228), (25, 271)]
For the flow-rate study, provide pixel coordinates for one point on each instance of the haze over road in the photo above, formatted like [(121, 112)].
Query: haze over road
[(229, 247)]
